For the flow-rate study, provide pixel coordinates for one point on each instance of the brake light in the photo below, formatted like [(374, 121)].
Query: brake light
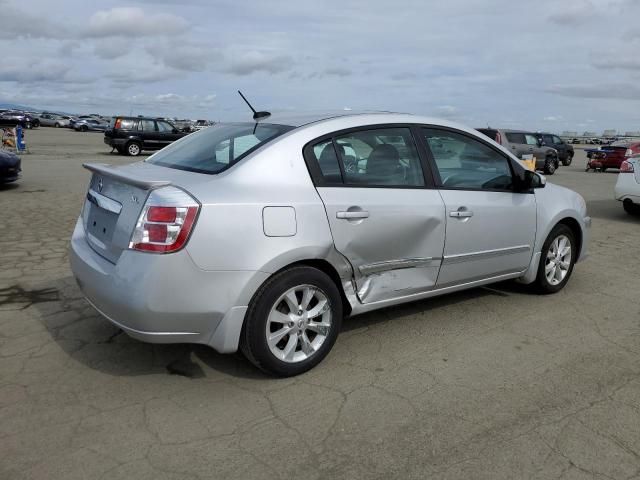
[(626, 167), (628, 153), (166, 221)]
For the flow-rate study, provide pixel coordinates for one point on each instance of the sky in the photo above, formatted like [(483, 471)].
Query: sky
[(545, 65)]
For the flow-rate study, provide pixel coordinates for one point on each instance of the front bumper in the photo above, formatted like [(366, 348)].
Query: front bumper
[(164, 298)]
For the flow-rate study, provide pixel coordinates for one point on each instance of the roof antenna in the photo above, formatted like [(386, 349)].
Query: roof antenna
[(256, 115)]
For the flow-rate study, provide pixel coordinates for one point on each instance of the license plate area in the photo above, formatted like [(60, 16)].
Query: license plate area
[(100, 223)]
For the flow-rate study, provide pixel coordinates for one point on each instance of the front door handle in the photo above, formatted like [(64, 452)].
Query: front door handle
[(350, 215), (461, 214)]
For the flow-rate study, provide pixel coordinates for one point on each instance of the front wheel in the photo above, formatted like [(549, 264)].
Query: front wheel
[(558, 257), (292, 322), (630, 207), (567, 161)]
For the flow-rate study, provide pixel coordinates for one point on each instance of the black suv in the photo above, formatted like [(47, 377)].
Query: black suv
[(132, 135), (565, 151)]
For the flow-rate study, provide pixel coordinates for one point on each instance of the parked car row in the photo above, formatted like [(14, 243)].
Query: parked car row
[(17, 117), (546, 149)]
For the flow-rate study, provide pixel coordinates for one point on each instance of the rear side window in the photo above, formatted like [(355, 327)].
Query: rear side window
[(530, 139), (125, 123), (385, 157), (216, 148), (516, 138)]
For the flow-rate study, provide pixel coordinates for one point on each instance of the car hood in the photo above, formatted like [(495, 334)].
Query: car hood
[(8, 159)]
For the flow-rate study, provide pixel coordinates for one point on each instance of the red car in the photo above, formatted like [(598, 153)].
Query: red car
[(612, 156)]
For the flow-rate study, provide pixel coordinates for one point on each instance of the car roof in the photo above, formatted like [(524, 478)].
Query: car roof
[(298, 119)]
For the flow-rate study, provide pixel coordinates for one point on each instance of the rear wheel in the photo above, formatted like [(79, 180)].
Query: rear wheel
[(568, 159), (292, 322), (133, 149), (57, 125), (84, 128), (558, 257), (550, 165)]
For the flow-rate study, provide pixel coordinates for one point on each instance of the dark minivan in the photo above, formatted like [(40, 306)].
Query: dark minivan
[(132, 135)]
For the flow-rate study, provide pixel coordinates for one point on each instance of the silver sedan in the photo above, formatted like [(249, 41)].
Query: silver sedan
[(263, 235)]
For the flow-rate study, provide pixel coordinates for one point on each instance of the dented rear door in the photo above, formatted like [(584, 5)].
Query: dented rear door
[(394, 238)]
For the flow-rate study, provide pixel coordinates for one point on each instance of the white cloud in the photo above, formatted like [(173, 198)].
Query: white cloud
[(134, 22), (257, 61)]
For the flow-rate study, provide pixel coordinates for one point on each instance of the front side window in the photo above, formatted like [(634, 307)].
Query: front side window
[(213, 149), (557, 140), (466, 163), (164, 127)]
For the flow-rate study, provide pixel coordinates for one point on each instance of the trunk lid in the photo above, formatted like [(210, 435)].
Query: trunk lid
[(115, 198)]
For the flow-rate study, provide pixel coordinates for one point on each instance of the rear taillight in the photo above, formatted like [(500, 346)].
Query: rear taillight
[(626, 167), (628, 153), (166, 221)]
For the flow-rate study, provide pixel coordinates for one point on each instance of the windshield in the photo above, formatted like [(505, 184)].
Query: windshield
[(216, 148)]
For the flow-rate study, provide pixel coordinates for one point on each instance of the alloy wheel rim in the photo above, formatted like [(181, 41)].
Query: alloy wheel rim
[(133, 149), (558, 261), (298, 324)]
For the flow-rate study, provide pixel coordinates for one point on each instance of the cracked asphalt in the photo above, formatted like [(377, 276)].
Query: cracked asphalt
[(492, 383)]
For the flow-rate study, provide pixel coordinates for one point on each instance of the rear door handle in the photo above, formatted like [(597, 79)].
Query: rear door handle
[(351, 215), (461, 213)]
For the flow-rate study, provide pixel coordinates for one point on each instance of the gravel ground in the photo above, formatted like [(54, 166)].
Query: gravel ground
[(490, 383)]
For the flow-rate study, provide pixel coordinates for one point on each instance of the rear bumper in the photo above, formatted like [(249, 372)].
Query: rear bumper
[(115, 142), (627, 188), (164, 298)]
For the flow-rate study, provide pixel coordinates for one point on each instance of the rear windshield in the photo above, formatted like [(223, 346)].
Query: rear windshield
[(216, 148), (492, 134)]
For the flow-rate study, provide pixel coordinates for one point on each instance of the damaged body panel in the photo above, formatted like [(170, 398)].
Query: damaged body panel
[(397, 250)]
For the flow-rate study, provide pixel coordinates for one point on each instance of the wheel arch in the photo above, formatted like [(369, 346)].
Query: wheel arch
[(575, 228)]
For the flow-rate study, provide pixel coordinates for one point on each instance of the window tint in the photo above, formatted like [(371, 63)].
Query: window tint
[(380, 157), (325, 155), (466, 163), (530, 139), (557, 140), (215, 148), (164, 127), (516, 138), (147, 125)]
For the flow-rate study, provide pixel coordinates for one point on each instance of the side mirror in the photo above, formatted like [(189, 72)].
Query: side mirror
[(529, 180)]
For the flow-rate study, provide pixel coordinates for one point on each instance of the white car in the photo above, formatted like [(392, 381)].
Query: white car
[(628, 185)]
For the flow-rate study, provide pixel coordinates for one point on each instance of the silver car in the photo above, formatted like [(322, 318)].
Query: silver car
[(53, 120), (264, 235)]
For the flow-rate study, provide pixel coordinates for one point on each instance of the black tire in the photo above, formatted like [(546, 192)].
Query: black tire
[(57, 125), (84, 128), (133, 149), (603, 169), (630, 207), (253, 341), (567, 160), (550, 165), (542, 284)]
